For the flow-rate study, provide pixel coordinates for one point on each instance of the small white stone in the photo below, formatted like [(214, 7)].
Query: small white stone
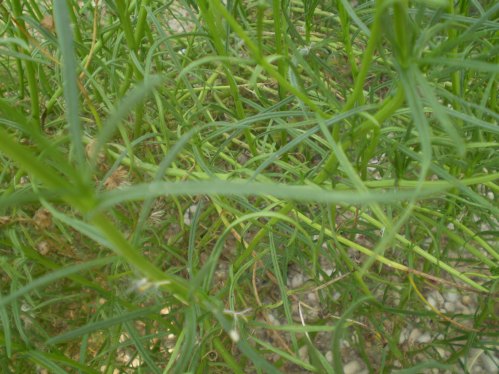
[(477, 370), (273, 321), (352, 367), (438, 297), (413, 336), (396, 299), (452, 296), (123, 338), (25, 307), (234, 335), (354, 337), (425, 338), (467, 300), (336, 296), (485, 227), (490, 195), (164, 311), (189, 214), (344, 343), (442, 352), (491, 366), (450, 307), (136, 362), (450, 226), (297, 280), (427, 242), (329, 272), (466, 311), (431, 301), (329, 356), (459, 307), (303, 353), (312, 297), (404, 334)]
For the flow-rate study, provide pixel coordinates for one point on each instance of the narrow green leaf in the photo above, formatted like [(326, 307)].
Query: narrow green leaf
[(243, 188), (69, 79), (102, 325), (51, 277)]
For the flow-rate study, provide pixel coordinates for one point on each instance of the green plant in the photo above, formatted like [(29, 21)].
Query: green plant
[(250, 185)]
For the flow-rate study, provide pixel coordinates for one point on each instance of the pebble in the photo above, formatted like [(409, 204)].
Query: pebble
[(327, 271), (25, 307), (452, 296), (425, 338), (431, 301), (312, 297), (485, 227), (272, 320), (450, 307), (344, 343), (414, 336), (491, 366), (403, 336), (303, 353), (459, 307), (136, 363), (242, 158), (438, 297), (442, 352), (477, 370), (426, 243), (189, 214), (297, 280), (329, 356), (467, 300), (352, 367), (466, 311), (43, 248)]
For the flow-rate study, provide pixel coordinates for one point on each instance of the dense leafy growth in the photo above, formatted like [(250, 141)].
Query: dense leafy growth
[(248, 186)]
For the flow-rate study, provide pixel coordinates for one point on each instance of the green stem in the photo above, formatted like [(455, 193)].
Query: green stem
[(280, 41), (357, 95), (216, 33), (141, 23), (402, 36), (345, 26), (257, 55), (387, 109), (456, 75), (29, 65)]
